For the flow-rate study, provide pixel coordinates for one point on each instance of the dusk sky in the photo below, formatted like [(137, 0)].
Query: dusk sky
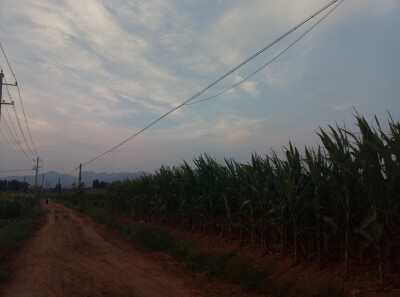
[(93, 73)]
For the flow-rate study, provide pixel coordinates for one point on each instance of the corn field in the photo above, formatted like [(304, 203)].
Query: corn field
[(337, 202)]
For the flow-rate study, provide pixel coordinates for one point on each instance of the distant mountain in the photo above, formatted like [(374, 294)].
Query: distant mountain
[(51, 178)]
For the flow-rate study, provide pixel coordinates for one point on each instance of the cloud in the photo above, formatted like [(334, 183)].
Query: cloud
[(342, 106), (248, 86), (228, 129), (94, 72)]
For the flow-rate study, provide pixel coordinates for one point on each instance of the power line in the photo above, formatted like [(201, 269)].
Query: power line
[(12, 124), (215, 82), (14, 151), (72, 171), (17, 117), (26, 122), (8, 63), (22, 131), (14, 138), (19, 170), (11, 121), (9, 144), (20, 99), (270, 61)]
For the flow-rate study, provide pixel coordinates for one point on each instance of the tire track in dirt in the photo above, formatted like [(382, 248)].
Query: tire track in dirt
[(72, 256)]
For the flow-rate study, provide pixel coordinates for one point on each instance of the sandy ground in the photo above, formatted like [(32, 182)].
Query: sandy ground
[(72, 256)]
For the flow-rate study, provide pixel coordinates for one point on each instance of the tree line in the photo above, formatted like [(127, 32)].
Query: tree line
[(14, 186)]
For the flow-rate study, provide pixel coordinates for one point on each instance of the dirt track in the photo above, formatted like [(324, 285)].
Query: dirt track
[(72, 256)]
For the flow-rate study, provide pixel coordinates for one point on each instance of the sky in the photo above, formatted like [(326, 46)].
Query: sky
[(93, 73)]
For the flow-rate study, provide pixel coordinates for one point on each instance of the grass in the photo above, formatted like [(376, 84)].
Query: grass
[(96, 199), (19, 219), (224, 266), (4, 272), (17, 229), (99, 215), (321, 291)]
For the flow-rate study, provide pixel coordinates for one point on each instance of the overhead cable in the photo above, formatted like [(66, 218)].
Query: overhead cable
[(23, 135), (10, 145), (26, 122), (19, 123), (19, 170), (8, 63), (215, 82), (12, 124), (20, 99), (270, 61), (11, 134)]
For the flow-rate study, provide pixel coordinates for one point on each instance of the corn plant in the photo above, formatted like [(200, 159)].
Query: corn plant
[(292, 184), (336, 201), (320, 200)]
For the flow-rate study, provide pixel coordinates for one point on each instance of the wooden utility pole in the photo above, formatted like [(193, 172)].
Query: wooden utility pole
[(36, 168), (80, 191), (1, 91), (80, 174)]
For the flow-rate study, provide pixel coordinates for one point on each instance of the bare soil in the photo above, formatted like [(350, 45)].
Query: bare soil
[(71, 256)]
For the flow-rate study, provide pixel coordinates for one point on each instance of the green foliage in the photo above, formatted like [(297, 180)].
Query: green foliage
[(152, 239), (10, 209), (19, 215), (321, 291), (99, 215), (224, 266), (338, 201), (79, 191), (97, 199), (11, 233), (68, 199), (4, 272), (15, 205)]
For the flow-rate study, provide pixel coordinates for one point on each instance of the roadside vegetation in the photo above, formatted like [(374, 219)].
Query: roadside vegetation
[(336, 202), (226, 266), (19, 217)]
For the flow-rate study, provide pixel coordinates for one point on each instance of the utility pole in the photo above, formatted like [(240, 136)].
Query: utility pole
[(42, 185), (1, 91), (80, 190), (36, 168), (80, 174)]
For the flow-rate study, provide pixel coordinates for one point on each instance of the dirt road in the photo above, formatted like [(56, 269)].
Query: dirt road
[(72, 256)]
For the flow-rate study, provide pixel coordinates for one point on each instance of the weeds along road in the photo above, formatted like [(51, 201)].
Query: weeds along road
[(72, 256)]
